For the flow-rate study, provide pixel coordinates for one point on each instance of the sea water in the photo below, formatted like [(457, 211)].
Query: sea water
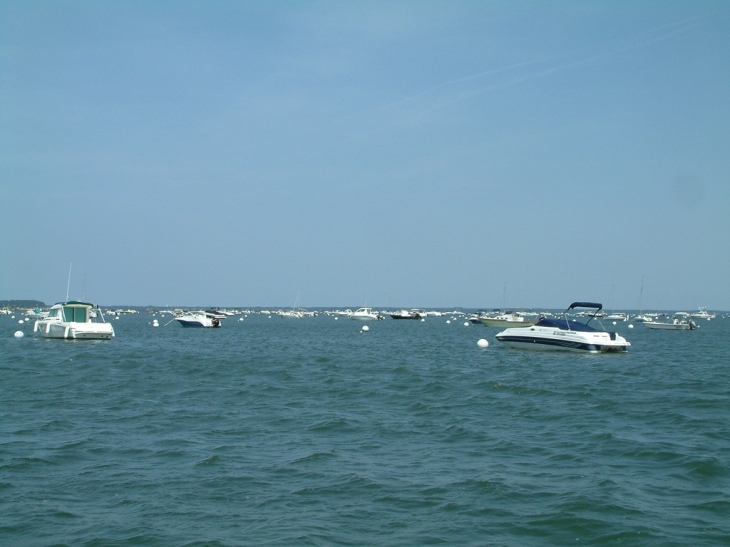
[(272, 431)]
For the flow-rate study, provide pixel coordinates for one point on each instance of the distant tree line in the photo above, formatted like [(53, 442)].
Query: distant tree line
[(22, 304)]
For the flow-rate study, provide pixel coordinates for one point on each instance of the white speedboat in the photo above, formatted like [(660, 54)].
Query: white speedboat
[(565, 334), (197, 319), (476, 318), (75, 321), (365, 314), (506, 320)]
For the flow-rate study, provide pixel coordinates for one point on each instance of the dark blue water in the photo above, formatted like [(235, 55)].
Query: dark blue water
[(309, 432)]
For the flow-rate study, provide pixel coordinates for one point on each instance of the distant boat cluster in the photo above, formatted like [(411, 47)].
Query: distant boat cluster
[(546, 329)]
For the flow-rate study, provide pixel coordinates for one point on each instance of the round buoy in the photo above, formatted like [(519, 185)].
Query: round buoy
[(614, 322), (20, 322), (483, 343), (448, 322), (631, 326), (365, 328), (423, 320), (27, 319), (240, 319), (336, 318), (466, 323), (19, 334)]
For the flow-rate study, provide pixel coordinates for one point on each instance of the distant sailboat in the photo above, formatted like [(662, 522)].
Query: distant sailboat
[(641, 317)]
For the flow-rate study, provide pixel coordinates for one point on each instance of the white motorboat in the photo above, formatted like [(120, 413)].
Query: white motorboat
[(681, 321), (75, 321), (506, 320), (365, 314), (197, 319), (565, 334), (406, 314), (703, 314), (617, 317), (476, 318)]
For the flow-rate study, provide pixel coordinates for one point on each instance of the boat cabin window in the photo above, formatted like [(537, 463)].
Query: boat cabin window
[(53, 313), (74, 315)]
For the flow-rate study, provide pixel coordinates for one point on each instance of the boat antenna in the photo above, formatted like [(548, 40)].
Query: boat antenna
[(641, 296), (68, 283)]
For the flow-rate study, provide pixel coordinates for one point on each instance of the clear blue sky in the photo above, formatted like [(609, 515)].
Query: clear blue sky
[(429, 154)]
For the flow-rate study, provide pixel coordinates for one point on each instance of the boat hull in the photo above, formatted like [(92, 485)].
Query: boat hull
[(74, 331), (560, 340), (196, 324), (559, 345), (505, 323), (669, 326)]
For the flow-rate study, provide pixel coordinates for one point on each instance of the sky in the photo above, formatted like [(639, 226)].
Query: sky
[(475, 154)]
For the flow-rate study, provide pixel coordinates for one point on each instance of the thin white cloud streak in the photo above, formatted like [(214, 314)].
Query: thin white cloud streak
[(460, 96)]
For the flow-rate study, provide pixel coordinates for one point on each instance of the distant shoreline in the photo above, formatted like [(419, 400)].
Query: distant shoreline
[(33, 304)]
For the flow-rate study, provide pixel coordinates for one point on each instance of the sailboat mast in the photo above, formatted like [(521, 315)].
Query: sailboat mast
[(68, 283)]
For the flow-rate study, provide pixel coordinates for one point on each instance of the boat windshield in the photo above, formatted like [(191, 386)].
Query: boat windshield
[(564, 324), (72, 314)]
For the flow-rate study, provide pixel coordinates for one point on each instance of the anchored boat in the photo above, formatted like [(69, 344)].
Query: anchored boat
[(565, 334), (76, 321)]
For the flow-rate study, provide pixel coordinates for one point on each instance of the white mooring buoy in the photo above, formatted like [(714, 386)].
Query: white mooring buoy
[(19, 334), (483, 343), (631, 326), (466, 323), (365, 328)]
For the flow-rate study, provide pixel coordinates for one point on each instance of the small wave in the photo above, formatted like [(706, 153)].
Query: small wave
[(709, 467), (212, 460), (314, 457), (330, 425)]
